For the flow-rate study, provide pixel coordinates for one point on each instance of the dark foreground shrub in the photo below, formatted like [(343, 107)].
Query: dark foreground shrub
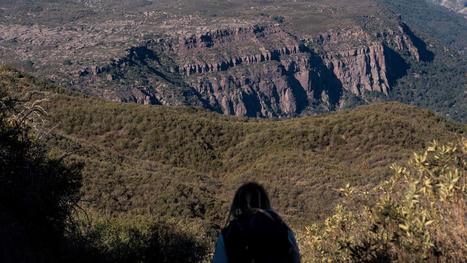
[(37, 192), (123, 240)]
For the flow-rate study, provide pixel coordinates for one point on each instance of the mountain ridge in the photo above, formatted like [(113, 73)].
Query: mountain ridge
[(138, 158), (271, 60)]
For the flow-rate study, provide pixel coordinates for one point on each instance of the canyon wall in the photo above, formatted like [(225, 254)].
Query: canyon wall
[(262, 70)]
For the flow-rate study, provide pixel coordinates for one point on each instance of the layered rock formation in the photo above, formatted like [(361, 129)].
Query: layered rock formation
[(260, 70), (223, 49), (361, 61), (359, 66), (243, 71), (267, 90)]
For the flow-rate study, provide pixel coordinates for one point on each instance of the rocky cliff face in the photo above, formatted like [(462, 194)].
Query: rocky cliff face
[(259, 70), (223, 49), (247, 71), (266, 90), (363, 62), (360, 66)]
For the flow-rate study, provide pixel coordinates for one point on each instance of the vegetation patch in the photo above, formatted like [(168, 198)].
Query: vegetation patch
[(155, 179)]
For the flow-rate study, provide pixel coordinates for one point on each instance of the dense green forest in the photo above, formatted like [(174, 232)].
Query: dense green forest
[(135, 183), (439, 81)]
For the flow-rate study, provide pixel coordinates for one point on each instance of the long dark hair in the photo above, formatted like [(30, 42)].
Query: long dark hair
[(249, 197)]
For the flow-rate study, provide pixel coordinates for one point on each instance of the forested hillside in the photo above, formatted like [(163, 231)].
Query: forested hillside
[(179, 166), (126, 126), (438, 83)]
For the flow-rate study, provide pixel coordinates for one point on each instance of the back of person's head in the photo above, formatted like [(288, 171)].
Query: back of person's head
[(249, 197), (254, 232)]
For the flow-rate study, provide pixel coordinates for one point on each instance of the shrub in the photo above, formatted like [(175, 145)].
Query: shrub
[(132, 240), (278, 19), (418, 216), (37, 192)]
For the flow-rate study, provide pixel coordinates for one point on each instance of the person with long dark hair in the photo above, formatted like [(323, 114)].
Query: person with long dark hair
[(254, 232)]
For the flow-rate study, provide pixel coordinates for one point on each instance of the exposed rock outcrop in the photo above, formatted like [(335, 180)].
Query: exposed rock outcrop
[(357, 60), (267, 90), (227, 48), (261, 70)]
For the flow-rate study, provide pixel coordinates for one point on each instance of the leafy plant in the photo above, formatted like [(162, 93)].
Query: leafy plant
[(419, 215), (37, 192), (138, 240)]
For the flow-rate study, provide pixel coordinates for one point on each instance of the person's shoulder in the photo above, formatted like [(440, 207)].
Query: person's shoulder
[(220, 254), (275, 215), (220, 240), (272, 212)]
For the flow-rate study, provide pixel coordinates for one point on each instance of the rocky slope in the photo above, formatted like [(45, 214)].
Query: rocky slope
[(247, 58), (259, 70), (362, 62)]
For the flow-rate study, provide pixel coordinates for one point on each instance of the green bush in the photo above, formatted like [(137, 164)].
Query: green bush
[(182, 163), (130, 240), (37, 192), (419, 215)]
